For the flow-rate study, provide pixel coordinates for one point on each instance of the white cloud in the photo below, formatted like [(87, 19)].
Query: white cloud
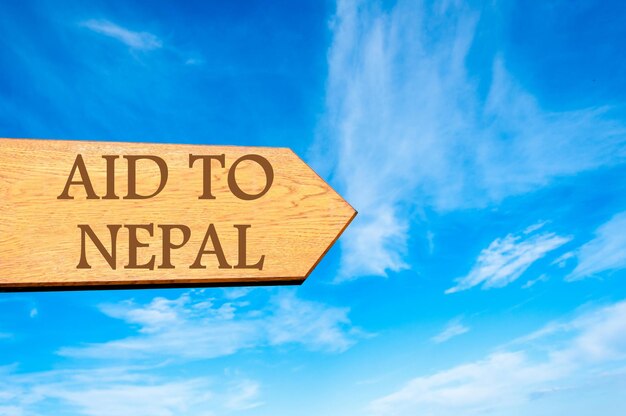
[(606, 252), (220, 327), (236, 292), (229, 323), (135, 40), (314, 325), (507, 258), (194, 61), (561, 356), (122, 391), (532, 282), (561, 261), (165, 399), (407, 127), (452, 329), (501, 379), (244, 396)]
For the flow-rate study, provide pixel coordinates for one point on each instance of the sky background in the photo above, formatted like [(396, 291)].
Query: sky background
[(483, 144)]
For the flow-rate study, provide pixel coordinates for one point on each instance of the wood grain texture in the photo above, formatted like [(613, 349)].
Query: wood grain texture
[(293, 224)]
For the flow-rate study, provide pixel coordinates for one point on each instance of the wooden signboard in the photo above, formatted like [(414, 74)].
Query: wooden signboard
[(80, 215)]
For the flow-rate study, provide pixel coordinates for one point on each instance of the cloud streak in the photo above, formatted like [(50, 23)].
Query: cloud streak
[(220, 328), (140, 374), (454, 328), (407, 127), (567, 355), (121, 390), (142, 41), (605, 252), (506, 259)]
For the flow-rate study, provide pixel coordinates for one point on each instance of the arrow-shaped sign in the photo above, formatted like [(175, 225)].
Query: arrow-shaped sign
[(77, 214)]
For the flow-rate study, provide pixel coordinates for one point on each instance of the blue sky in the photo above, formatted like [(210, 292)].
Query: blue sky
[(483, 144)]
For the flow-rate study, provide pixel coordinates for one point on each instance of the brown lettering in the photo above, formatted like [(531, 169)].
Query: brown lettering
[(206, 171), (242, 250), (110, 257), (132, 175), (79, 164), (217, 250), (168, 245), (134, 244), (269, 177)]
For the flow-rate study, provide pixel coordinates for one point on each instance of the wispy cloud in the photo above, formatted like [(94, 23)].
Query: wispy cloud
[(408, 128), (532, 282), (561, 261), (454, 328), (221, 327), (121, 391), (194, 61), (506, 259), (606, 252), (245, 396), (135, 40), (560, 357)]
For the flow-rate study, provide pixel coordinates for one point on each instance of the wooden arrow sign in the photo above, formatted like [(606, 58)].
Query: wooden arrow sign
[(78, 215)]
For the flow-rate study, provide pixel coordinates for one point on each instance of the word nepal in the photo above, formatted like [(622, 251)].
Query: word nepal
[(210, 245)]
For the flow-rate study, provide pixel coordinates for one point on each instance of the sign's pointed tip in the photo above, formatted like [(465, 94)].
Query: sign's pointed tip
[(348, 221)]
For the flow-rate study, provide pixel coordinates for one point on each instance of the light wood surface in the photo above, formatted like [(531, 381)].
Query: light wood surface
[(293, 225)]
